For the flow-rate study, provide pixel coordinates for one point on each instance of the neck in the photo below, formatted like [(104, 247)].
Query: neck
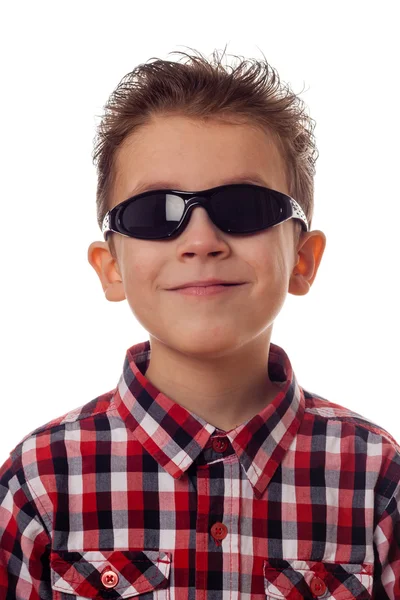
[(225, 390)]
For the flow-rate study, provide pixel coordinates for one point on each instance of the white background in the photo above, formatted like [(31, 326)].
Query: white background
[(62, 342)]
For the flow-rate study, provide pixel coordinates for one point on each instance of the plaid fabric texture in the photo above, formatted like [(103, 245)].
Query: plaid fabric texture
[(132, 495)]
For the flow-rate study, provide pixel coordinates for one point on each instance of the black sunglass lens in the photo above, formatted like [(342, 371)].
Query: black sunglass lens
[(153, 216), (246, 209)]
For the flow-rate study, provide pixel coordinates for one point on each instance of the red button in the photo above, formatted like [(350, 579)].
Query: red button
[(109, 579), (219, 531), (219, 444), (318, 586)]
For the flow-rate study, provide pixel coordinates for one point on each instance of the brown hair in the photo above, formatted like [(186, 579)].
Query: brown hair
[(250, 92)]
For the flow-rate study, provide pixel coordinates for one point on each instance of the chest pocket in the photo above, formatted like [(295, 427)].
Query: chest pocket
[(110, 574), (299, 579)]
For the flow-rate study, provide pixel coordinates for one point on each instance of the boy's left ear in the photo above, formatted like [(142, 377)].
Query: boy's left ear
[(310, 250)]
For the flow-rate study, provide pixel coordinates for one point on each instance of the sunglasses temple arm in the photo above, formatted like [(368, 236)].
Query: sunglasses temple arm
[(298, 213)]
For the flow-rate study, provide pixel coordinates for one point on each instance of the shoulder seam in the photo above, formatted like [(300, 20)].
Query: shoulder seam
[(48, 427), (360, 422)]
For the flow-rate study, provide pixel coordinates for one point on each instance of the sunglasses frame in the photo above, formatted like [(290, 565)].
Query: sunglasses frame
[(290, 209)]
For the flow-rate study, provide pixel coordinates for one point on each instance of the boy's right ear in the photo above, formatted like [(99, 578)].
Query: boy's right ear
[(107, 269)]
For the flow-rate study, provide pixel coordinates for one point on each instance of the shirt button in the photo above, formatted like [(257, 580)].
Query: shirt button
[(109, 579), (219, 444), (318, 586), (219, 531)]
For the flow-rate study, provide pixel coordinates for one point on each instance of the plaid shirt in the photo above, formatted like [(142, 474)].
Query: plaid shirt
[(133, 495)]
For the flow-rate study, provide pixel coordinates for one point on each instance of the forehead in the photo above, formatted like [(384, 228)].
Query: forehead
[(190, 154)]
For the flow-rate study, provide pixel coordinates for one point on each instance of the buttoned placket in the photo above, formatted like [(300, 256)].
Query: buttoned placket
[(217, 527)]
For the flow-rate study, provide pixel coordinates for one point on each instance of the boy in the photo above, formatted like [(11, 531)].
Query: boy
[(208, 472)]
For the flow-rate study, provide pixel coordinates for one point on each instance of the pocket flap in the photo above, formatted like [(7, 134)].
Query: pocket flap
[(299, 579), (109, 573)]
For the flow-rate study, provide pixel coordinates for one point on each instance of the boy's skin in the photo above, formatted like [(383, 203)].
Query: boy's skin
[(209, 354)]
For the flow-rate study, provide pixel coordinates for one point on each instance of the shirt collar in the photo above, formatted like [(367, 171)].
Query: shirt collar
[(175, 437)]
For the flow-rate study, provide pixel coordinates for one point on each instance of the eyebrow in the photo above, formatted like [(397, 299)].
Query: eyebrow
[(166, 185)]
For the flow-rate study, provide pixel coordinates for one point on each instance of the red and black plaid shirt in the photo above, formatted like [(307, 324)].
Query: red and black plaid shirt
[(133, 495)]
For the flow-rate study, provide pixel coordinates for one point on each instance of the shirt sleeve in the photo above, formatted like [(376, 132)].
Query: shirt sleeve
[(387, 551), (24, 541)]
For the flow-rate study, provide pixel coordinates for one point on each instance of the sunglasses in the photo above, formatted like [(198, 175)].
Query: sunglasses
[(237, 209)]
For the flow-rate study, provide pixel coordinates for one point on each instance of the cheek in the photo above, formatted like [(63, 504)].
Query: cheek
[(139, 281), (267, 258), (272, 273), (142, 265)]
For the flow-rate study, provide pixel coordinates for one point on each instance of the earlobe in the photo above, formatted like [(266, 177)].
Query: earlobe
[(298, 284), (114, 292), (107, 269)]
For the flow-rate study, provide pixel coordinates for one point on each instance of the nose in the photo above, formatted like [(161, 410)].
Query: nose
[(201, 235), (198, 217)]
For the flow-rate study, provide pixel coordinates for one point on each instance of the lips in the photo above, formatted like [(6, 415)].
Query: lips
[(186, 287), (211, 282), (206, 290)]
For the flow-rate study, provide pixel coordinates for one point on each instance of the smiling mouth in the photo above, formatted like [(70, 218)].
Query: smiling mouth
[(206, 290), (188, 287)]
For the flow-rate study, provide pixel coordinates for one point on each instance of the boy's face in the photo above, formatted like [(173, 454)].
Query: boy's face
[(179, 153)]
